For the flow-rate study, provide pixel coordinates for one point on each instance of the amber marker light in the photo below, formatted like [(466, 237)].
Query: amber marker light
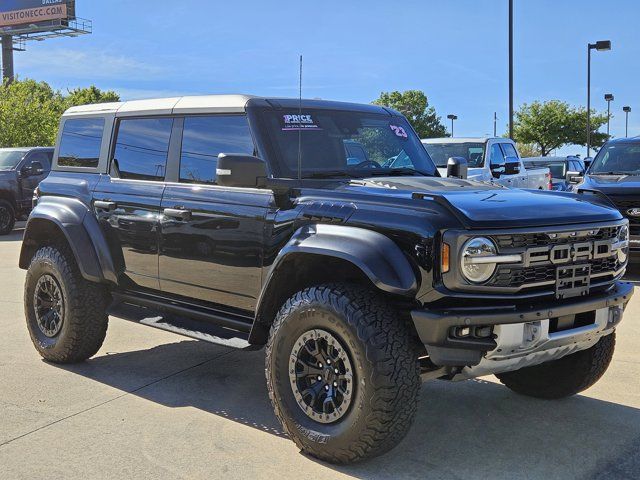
[(444, 258)]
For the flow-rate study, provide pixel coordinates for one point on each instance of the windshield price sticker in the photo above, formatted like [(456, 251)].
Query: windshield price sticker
[(299, 122), (399, 131)]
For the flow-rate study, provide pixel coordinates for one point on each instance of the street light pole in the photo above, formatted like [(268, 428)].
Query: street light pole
[(495, 124), (626, 110), (601, 46), (452, 117), (510, 69), (608, 97)]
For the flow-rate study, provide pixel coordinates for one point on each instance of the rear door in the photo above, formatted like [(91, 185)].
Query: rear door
[(127, 199), (212, 237)]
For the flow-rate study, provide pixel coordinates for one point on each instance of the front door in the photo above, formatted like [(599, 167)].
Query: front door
[(212, 237), (30, 178), (496, 157), (127, 201)]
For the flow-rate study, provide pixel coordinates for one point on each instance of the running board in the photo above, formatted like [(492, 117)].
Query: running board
[(206, 327)]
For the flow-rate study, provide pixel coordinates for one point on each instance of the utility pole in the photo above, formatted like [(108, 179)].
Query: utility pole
[(7, 58), (511, 69), (495, 124)]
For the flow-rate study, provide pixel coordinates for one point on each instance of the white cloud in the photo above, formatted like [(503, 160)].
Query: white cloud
[(84, 65)]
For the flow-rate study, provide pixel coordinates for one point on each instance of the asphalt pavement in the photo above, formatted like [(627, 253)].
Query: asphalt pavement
[(152, 404)]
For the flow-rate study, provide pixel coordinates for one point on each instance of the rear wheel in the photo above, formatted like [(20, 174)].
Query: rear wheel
[(342, 372), (563, 377), (7, 217), (66, 315)]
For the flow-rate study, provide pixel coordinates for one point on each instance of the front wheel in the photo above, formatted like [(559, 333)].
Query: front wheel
[(66, 314), (7, 217), (342, 372), (563, 377)]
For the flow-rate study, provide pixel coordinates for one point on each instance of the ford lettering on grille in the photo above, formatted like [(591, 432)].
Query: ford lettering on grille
[(569, 253)]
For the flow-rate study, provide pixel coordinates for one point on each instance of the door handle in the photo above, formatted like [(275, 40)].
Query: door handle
[(105, 205), (178, 213)]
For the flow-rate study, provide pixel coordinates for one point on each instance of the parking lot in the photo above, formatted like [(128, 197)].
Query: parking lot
[(156, 405)]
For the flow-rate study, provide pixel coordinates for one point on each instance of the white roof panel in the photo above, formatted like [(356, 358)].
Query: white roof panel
[(212, 104), (168, 106)]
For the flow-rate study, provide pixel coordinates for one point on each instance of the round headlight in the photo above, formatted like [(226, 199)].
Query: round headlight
[(475, 266)]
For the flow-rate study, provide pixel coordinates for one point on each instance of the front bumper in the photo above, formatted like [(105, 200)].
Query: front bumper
[(436, 328)]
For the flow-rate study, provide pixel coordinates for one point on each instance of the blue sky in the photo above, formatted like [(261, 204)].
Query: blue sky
[(455, 50)]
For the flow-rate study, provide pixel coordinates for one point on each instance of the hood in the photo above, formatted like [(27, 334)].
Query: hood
[(482, 205), (613, 184)]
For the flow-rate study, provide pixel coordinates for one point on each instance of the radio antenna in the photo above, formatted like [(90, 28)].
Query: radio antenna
[(300, 122)]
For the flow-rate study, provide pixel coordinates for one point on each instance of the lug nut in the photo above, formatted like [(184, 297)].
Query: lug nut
[(335, 384), (319, 378), (320, 365), (326, 387), (328, 361), (336, 371)]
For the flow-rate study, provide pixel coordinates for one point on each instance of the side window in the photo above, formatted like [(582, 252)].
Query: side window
[(204, 138), (497, 157), (80, 142), (43, 158), (509, 150), (141, 148)]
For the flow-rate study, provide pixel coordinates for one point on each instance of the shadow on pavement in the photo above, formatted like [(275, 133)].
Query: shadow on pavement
[(15, 235), (473, 429)]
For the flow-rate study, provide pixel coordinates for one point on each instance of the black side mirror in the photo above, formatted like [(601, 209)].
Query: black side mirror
[(575, 177), (457, 167), (36, 168), (512, 166), (498, 169), (238, 170)]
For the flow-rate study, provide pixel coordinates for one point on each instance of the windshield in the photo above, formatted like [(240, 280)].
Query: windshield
[(9, 159), (441, 152), (344, 143), (617, 158)]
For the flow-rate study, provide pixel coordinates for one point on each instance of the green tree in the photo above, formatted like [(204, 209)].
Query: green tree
[(30, 111), (414, 105), (92, 94), (553, 124)]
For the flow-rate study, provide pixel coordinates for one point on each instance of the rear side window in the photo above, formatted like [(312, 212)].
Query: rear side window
[(204, 138), (509, 150), (141, 148), (43, 157), (80, 143)]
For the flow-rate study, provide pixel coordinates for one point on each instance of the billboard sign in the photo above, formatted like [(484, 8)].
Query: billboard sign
[(14, 13)]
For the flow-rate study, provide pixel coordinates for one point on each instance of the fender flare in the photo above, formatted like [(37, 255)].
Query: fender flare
[(375, 254), (82, 232)]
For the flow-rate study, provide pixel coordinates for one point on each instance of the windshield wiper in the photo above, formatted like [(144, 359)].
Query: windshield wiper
[(615, 173), (396, 171), (330, 174)]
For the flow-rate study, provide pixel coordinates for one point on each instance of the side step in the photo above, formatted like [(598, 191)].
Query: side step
[(209, 327)]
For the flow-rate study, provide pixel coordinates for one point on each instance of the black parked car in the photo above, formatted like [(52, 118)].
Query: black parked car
[(252, 222), (615, 172), (21, 170)]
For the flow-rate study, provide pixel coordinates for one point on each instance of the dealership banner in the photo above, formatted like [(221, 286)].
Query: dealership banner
[(26, 12)]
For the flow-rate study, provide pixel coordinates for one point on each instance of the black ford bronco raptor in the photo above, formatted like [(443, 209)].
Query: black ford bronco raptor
[(323, 231)]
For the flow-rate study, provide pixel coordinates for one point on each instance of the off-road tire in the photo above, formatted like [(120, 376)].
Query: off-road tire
[(84, 323), (6, 227), (563, 377), (383, 353)]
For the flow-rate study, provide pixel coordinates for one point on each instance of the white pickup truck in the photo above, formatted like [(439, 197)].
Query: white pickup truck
[(494, 160)]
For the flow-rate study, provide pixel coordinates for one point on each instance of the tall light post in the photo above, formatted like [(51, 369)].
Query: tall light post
[(452, 117), (511, 69), (608, 97), (626, 111), (601, 46)]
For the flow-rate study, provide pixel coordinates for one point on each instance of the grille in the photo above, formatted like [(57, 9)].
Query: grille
[(519, 276), (624, 204), (522, 240)]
